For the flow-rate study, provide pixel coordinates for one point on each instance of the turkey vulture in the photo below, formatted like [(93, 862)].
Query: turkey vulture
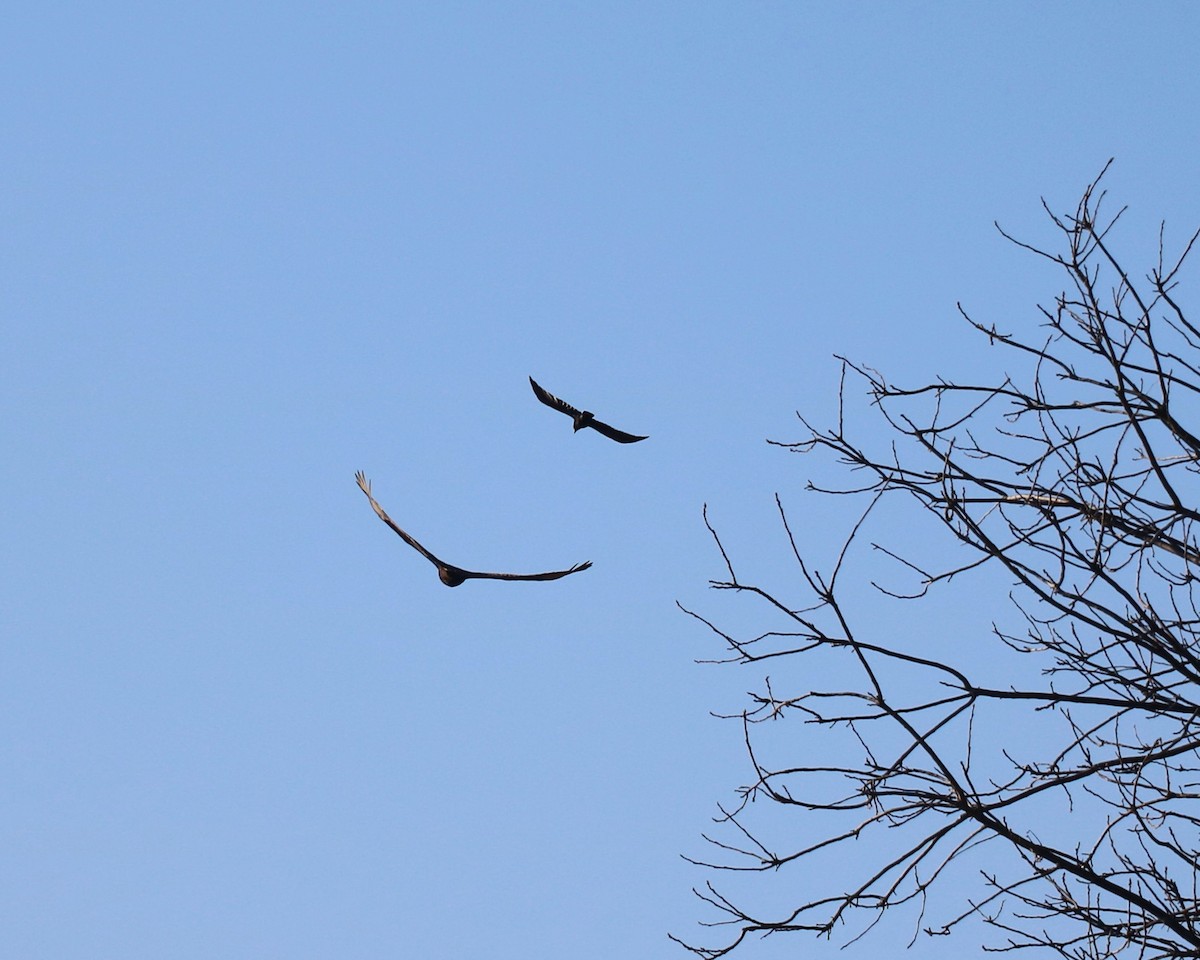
[(582, 418), (451, 575)]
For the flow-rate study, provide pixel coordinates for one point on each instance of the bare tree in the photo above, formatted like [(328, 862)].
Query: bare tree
[(1042, 778)]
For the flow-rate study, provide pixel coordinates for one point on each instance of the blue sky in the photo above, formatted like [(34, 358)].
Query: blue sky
[(252, 248)]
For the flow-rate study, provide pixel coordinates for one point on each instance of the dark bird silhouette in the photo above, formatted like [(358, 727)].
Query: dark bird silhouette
[(449, 574), (582, 418)]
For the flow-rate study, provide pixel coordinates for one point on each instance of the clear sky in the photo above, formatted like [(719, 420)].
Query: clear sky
[(250, 248)]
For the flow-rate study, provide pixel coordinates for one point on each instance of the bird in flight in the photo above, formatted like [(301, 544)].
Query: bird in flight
[(582, 418), (449, 574)]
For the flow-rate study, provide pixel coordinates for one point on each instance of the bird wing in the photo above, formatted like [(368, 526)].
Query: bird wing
[(613, 433), (365, 485), (552, 401), (551, 575)]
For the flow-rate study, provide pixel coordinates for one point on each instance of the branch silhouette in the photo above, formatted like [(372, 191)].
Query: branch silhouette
[(1046, 782)]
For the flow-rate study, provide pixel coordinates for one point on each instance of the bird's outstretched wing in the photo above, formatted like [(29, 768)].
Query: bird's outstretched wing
[(551, 575), (365, 486), (449, 574), (552, 401), (613, 433), (582, 418)]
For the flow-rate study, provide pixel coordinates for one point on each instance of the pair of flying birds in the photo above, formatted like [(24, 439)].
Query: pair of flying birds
[(451, 575)]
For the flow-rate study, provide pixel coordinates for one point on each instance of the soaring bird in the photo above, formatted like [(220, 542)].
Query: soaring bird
[(582, 418), (449, 574)]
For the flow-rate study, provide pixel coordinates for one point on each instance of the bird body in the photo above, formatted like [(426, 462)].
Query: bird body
[(449, 574), (581, 418)]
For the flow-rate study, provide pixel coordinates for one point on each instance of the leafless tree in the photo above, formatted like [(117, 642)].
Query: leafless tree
[(1040, 775)]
